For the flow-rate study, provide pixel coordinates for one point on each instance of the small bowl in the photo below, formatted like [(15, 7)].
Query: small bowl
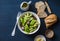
[(49, 33), (34, 14), (40, 36), (26, 8)]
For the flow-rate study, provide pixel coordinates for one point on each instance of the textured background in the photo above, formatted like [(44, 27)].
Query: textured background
[(8, 12)]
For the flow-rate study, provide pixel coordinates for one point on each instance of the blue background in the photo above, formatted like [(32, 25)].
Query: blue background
[(8, 12)]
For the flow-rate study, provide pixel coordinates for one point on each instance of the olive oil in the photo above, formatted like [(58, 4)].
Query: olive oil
[(24, 5)]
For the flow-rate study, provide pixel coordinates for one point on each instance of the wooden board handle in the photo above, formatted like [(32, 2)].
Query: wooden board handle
[(48, 8)]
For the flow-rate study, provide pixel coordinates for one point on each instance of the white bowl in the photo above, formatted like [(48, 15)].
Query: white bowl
[(34, 14)]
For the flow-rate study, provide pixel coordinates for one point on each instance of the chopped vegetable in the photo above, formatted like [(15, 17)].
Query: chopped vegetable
[(27, 28), (32, 22)]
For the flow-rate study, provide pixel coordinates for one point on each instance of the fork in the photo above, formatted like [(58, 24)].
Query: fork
[(13, 32)]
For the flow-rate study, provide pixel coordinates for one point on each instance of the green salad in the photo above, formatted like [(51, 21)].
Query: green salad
[(28, 22)]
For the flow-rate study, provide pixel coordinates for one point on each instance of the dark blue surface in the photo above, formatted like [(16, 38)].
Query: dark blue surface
[(8, 12)]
